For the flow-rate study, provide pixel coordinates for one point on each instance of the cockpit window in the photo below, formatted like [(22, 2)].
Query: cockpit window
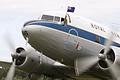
[(47, 17), (62, 19), (57, 19)]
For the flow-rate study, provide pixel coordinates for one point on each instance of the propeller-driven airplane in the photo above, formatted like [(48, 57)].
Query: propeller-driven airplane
[(67, 46)]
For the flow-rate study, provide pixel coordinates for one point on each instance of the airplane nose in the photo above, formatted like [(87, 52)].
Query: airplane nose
[(30, 30)]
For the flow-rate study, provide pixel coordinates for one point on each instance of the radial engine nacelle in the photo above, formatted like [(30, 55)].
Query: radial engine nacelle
[(32, 61), (109, 60)]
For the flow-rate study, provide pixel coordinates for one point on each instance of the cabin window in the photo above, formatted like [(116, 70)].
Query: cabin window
[(97, 39), (47, 18), (57, 19)]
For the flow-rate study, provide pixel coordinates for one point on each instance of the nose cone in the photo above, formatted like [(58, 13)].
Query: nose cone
[(30, 31)]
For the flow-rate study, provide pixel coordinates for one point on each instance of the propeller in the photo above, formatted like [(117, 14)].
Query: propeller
[(81, 65), (15, 55), (114, 70), (85, 63), (11, 46), (108, 43), (11, 72)]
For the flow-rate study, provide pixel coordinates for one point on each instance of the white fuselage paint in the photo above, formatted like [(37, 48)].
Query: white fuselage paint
[(61, 46)]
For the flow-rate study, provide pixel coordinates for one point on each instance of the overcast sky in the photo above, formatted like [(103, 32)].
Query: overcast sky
[(14, 13)]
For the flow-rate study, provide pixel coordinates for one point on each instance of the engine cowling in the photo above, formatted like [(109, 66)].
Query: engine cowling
[(32, 61), (28, 59), (113, 55)]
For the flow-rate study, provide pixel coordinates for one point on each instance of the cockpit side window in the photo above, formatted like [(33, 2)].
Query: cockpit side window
[(47, 18), (64, 21)]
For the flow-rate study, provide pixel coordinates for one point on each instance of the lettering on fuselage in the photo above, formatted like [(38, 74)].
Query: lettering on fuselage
[(97, 27), (115, 34)]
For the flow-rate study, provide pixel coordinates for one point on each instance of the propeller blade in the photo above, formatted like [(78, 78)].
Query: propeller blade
[(85, 63), (114, 70), (108, 43), (9, 43), (11, 72)]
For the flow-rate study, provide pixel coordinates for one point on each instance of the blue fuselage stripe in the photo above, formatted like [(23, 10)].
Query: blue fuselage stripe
[(81, 33)]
